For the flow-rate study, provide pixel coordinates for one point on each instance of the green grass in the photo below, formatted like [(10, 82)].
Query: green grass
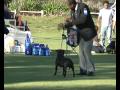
[(36, 73)]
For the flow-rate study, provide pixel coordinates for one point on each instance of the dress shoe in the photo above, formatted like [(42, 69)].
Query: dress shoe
[(81, 74), (90, 73)]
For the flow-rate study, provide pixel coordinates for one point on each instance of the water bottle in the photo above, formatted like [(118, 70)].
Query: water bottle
[(33, 52), (27, 41), (17, 49), (40, 51), (27, 52), (28, 48), (44, 51), (85, 12), (37, 49), (47, 51)]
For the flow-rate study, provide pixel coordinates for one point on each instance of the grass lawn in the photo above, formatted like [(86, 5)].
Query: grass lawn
[(36, 73)]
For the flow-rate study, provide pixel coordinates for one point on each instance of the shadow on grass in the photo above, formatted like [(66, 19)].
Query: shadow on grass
[(97, 87), (31, 68)]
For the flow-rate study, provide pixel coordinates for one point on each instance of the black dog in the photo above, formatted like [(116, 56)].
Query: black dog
[(63, 62), (111, 48)]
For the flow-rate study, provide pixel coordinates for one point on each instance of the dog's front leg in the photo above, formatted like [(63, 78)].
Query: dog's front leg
[(55, 70), (64, 71)]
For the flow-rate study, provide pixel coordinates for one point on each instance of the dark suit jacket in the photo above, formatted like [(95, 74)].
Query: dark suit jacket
[(81, 20)]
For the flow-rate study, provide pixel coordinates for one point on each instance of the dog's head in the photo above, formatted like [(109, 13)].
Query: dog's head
[(60, 53)]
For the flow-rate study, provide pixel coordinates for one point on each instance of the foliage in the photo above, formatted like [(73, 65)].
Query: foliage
[(31, 5), (25, 5), (50, 6)]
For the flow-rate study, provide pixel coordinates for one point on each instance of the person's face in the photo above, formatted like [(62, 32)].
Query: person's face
[(71, 6), (106, 5)]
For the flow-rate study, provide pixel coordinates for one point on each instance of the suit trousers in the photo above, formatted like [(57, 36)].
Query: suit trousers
[(85, 59)]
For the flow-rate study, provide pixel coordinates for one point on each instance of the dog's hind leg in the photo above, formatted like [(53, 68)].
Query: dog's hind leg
[(55, 70), (73, 71), (63, 72)]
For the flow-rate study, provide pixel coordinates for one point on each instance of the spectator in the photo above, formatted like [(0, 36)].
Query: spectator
[(105, 16), (19, 22)]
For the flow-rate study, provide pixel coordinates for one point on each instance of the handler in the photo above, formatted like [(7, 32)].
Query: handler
[(81, 18)]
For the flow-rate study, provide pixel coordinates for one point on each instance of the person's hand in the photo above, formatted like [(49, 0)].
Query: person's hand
[(98, 44), (97, 24), (68, 20), (60, 26)]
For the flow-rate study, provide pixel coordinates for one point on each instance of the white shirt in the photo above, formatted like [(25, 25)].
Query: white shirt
[(106, 15)]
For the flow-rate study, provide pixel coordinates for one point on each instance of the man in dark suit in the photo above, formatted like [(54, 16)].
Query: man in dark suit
[(81, 20)]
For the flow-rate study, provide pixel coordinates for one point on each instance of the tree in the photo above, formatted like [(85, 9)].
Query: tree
[(7, 2)]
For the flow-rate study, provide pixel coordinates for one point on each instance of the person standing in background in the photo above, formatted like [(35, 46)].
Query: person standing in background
[(105, 21)]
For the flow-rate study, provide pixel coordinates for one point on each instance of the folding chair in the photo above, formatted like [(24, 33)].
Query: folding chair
[(65, 37)]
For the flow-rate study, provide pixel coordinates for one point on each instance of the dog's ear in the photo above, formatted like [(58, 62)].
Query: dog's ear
[(56, 50)]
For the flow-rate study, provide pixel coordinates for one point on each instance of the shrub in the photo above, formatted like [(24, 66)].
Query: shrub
[(50, 6), (54, 7)]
